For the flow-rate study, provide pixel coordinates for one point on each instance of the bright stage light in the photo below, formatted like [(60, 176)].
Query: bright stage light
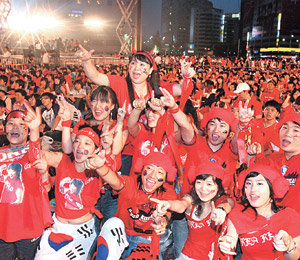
[(33, 23), (93, 23)]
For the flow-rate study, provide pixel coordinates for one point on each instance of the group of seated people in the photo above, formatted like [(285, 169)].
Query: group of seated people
[(188, 159)]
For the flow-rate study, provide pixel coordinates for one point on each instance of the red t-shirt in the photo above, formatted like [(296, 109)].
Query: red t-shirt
[(25, 215), (75, 193), (119, 85), (200, 151), (290, 169), (9, 192), (202, 237), (143, 145), (135, 208), (269, 134), (266, 96), (256, 233)]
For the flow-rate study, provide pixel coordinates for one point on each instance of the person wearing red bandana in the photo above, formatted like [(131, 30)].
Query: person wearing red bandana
[(77, 189), (105, 115), (265, 230), (142, 78), (24, 185), (135, 209), (202, 216)]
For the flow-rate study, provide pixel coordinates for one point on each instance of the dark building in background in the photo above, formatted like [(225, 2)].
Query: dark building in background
[(269, 23), (231, 34), (191, 26)]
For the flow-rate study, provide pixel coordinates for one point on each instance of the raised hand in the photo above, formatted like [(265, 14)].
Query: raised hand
[(245, 113), (254, 148), (84, 54), (159, 225), (95, 161), (33, 118), (41, 165), (218, 215), (227, 244), (64, 110), (139, 104), (155, 104), (167, 99), (107, 138), (186, 69), (121, 113), (161, 207), (283, 241)]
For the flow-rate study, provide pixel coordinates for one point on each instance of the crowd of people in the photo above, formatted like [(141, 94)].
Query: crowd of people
[(168, 157)]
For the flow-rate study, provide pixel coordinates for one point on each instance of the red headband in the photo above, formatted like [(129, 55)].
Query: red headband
[(16, 114), (146, 54), (279, 183), (89, 132), (160, 160)]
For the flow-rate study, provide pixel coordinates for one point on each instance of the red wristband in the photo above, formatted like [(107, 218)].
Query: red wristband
[(174, 110), (67, 123)]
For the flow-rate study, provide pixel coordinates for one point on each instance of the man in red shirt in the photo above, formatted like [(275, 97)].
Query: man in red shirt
[(243, 91), (24, 182), (142, 224), (271, 93)]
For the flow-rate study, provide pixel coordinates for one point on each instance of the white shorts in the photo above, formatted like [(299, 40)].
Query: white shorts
[(67, 241)]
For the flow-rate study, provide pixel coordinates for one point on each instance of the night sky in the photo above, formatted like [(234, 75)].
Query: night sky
[(152, 13)]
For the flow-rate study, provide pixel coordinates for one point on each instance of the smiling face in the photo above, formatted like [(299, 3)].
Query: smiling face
[(217, 132), (152, 117), (101, 109), (257, 192), (139, 71), (152, 178), (206, 189), (289, 135), (83, 147), (16, 132)]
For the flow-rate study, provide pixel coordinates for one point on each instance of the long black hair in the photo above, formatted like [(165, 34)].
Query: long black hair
[(196, 200), (245, 202)]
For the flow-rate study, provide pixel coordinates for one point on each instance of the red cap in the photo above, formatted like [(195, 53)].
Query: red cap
[(209, 167), (291, 116), (158, 159), (279, 183), (89, 132), (221, 113), (16, 113)]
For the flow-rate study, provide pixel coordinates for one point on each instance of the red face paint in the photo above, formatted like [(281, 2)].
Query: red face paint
[(86, 152), (106, 108)]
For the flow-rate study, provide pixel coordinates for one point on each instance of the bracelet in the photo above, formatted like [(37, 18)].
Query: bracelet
[(103, 175), (291, 250), (66, 123), (174, 110)]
